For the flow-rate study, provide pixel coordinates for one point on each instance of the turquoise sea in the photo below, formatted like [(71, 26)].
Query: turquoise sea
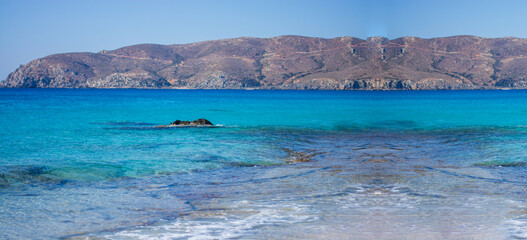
[(90, 164)]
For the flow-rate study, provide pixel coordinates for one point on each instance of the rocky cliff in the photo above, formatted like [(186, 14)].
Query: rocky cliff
[(290, 62)]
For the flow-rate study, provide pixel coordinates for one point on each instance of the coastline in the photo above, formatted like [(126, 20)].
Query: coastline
[(277, 89)]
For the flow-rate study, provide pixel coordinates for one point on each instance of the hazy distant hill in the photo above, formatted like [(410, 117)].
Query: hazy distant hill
[(290, 62)]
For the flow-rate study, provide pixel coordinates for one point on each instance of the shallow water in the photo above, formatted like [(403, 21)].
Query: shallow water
[(278, 164)]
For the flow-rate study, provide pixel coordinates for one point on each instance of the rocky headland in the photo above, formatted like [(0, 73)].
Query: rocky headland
[(290, 62)]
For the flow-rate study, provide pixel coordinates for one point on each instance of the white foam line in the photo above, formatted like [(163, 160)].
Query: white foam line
[(220, 226), (518, 228)]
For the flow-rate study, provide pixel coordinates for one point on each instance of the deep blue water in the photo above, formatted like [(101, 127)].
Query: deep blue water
[(383, 164)]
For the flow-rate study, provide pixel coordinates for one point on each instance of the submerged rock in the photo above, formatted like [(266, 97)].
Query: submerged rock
[(498, 163), (19, 175), (197, 122), (301, 157)]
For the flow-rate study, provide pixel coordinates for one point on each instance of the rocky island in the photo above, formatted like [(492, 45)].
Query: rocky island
[(290, 62), (195, 123)]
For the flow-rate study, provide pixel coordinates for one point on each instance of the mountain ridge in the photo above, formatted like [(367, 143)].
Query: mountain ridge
[(290, 62)]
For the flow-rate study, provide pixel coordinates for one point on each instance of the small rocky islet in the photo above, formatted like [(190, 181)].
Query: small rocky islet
[(196, 123)]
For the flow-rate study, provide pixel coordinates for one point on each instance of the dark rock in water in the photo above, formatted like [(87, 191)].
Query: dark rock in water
[(499, 163), (201, 122), (197, 122), (301, 157), (179, 122), (10, 175)]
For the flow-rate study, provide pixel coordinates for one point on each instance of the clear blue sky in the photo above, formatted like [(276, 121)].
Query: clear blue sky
[(31, 29)]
